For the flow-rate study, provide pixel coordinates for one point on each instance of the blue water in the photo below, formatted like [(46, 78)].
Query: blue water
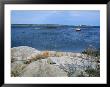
[(56, 39)]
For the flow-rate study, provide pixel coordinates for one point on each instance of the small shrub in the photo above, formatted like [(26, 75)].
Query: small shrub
[(58, 54), (93, 72), (92, 52), (81, 75), (45, 54)]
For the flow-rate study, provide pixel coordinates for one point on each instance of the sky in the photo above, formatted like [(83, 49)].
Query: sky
[(70, 17)]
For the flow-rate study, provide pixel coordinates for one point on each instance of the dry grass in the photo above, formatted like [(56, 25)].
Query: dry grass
[(36, 57), (59, 54), (45, 54)]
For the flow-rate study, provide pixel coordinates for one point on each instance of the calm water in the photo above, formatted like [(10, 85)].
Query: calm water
[(58, 39)]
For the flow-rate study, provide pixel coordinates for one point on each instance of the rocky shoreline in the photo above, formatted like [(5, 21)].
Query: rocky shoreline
[(30, 62)]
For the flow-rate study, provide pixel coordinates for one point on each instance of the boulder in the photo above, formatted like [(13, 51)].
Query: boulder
[(41, 68), (22, 52)]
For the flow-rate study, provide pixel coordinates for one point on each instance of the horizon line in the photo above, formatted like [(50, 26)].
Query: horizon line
[(68, 24)]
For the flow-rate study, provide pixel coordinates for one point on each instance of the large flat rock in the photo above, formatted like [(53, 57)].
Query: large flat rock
[(41, 68)]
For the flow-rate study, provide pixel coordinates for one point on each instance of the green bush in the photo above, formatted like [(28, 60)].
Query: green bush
[(92, 52), (93, 72), (81, 75)]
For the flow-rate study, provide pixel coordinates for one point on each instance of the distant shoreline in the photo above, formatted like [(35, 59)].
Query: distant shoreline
[(53, 25)]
